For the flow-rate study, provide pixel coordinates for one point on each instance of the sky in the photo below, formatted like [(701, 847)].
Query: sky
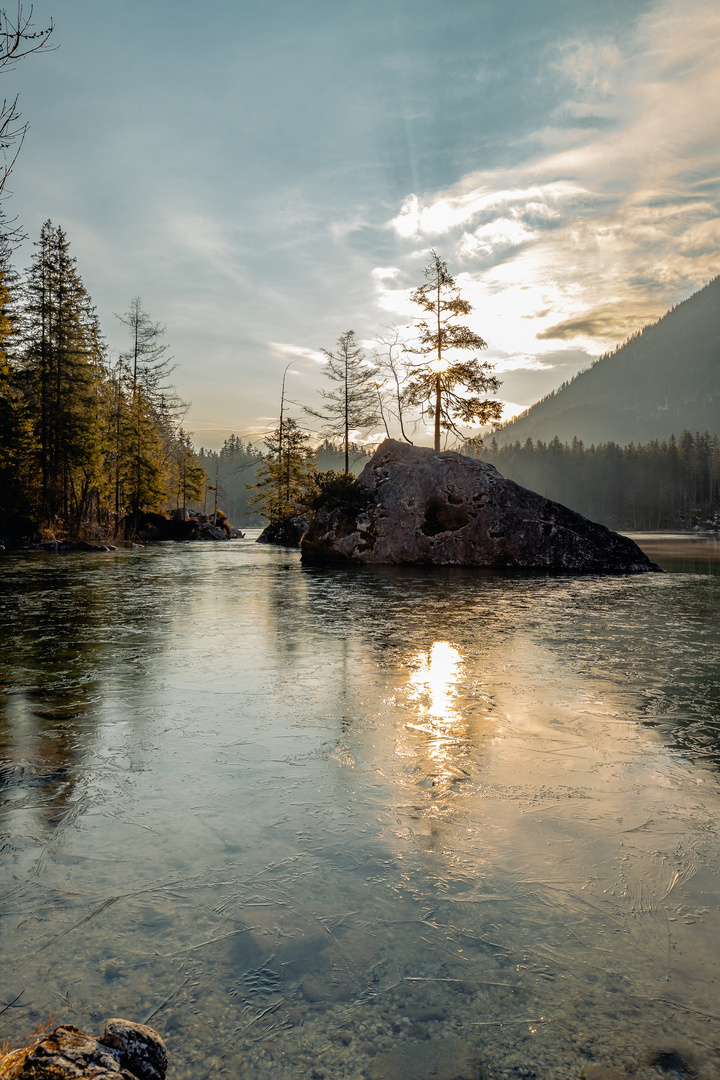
[(268, 176)]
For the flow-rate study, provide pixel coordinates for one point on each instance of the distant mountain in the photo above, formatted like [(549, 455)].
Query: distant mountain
[(665, 379)]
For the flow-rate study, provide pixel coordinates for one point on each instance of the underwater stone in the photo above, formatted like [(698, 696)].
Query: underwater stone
[(412, 504), (448, 1058), (143, 1051)]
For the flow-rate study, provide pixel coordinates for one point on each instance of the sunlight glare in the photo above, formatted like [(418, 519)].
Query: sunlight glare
[(436, 679)]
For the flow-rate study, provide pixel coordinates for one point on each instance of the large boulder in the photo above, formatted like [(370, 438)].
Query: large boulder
[(415, 505)]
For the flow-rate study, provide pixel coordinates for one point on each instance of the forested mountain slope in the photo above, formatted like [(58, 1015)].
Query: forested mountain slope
[(664, 380)]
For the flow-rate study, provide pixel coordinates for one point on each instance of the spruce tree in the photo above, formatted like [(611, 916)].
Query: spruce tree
[(286, 476), (353, 404), (446, 389), (188, 477), (15, 426), (64, 361), (152, 413)]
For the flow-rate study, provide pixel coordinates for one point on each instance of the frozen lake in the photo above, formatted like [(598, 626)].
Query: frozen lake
[(350, 823)]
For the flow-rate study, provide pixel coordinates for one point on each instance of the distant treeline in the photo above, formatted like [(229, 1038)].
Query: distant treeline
[(238, 464), (230, 469), (658, 485)]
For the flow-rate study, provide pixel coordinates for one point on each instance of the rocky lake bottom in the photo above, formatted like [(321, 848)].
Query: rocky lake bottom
[(364, 822)]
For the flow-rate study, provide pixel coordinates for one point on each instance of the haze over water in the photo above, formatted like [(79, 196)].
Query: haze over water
[(361, 822)]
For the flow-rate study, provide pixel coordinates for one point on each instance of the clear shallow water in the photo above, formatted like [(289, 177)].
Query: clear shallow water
[(364, 822)]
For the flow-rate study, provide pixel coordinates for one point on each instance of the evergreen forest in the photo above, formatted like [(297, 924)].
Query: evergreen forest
[(87, 443), (674, 484), (90, 443)]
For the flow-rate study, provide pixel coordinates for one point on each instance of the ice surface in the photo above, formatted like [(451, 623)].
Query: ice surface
[(349, 822)]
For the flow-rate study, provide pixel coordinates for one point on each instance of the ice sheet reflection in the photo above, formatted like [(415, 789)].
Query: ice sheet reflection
[(394, 821)]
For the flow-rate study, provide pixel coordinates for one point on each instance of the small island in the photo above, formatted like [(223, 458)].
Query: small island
[(412, 504)]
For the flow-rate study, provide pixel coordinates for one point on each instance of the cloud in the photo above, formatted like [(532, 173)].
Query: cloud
[(500, 234), (286, 350), (602, 323), (606, 226), (591, 65), (385, 273), (520, 363), (445, 213)]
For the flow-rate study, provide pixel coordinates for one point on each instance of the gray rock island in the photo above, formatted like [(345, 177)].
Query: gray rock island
[(412, 504)]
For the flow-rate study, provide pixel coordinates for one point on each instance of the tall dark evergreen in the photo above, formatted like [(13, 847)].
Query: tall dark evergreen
[(64, 361), (188, 478), (15, 427)]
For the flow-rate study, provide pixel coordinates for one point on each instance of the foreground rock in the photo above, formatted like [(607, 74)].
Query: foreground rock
[(125, 1051), (416, 505)]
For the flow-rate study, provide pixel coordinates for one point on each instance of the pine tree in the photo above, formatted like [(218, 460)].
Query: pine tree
[(146, 456), (435, 386), (64, 361), (286, 476), (352, 405), (15, 426), (153, 407), (188, 475)]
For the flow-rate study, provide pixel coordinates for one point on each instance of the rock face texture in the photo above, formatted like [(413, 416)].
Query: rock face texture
[(125, 1051), (416, 505)]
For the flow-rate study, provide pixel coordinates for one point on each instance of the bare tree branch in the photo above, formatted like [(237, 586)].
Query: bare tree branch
[(17, 40), (393, 368)]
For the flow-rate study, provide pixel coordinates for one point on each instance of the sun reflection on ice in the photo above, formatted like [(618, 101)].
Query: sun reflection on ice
[(435, 696), (436, 680)]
